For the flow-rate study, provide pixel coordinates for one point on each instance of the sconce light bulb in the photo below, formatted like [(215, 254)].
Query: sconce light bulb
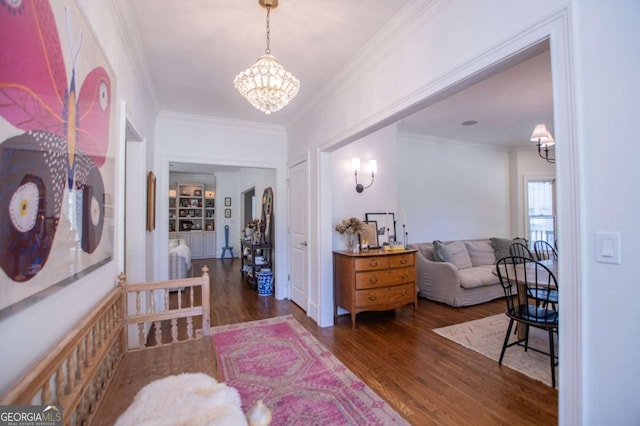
[(373, 166), (355, 164)]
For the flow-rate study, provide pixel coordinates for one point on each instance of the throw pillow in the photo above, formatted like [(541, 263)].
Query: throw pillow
[(439, 252), (481, 252), (501, 246), (436, 251), (454, 252)]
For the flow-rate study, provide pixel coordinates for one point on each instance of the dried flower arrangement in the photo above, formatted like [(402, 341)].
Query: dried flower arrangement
[(353, 225)]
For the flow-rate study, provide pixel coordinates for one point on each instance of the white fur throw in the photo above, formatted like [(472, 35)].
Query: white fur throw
[(186, 399)]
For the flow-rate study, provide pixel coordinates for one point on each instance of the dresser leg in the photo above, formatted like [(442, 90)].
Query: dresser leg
[(353, 320)]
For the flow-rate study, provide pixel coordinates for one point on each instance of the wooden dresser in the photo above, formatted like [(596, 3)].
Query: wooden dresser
[(374, 280)]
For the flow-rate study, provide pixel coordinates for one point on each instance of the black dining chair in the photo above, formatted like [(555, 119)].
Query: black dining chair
[(544, 250), (520, 250), (521, 277)]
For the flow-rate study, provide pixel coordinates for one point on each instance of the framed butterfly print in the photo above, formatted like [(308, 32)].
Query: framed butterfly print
[(57, 146)]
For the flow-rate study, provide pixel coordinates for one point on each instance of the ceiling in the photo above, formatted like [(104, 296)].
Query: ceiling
[(193, 50)]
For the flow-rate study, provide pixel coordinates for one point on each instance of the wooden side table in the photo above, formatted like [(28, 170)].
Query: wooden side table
[(250, 267)]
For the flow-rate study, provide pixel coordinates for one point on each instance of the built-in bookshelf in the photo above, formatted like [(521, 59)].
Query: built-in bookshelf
[(192, 217), (190, 208)]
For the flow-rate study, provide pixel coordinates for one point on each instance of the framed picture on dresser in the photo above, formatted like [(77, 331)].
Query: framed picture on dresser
[(370, 236), (386, 223)]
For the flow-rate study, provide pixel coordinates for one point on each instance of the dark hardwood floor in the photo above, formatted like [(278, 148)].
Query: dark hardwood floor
[(425, 377)]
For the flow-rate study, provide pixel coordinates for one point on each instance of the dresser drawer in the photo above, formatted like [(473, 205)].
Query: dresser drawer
[(400, 260), (373, 263), (376, 279), (383, 297)]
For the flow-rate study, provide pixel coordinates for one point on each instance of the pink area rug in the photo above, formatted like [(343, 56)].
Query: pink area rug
[(279, 361)]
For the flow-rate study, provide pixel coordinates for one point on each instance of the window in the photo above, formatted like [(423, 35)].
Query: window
[(541, 215)]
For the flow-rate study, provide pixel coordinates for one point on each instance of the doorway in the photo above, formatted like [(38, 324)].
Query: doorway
[(249, 205)]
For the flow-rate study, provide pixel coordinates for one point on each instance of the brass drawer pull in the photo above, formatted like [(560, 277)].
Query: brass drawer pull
[(373, 280), (403, 260), (405, 276), (373, 263), (403, 293), (373, 298)]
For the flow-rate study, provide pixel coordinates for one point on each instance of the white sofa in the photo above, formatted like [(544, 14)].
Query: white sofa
[(465, 276)]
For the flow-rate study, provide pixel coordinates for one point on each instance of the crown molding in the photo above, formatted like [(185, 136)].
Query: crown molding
[(134, 47), (409, 14), (403, 134), (174, 117)]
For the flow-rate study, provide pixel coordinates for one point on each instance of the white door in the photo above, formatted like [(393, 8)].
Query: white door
[(298, 243)]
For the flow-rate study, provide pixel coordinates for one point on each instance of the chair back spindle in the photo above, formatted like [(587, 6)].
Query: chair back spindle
[(520, 250), (544, 250)]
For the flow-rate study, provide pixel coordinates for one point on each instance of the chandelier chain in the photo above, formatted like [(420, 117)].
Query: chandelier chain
[(268, 50)]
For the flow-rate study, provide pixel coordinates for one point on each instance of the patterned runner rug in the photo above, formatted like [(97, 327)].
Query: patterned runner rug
[(486, 336), (279, 361)]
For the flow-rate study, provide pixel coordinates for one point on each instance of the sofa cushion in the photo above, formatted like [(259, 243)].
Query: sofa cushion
[(481, 252), (427, 251), (478, 276), (501, 246), (454, 252)]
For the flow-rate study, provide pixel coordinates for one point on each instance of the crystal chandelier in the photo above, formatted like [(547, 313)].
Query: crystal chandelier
[(266, 84)]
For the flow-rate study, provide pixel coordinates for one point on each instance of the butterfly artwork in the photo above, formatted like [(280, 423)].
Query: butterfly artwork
[(54, 139)]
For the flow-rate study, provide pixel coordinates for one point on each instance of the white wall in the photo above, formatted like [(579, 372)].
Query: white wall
[(227, 185), (135, 223), (608, 96), (381, 196), (29, 334), (452, 190)]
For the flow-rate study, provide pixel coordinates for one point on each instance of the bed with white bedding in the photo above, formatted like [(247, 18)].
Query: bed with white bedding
[(179, 259)]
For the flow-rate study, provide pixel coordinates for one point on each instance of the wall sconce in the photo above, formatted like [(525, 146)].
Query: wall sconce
[(544, 140), (373, 166)]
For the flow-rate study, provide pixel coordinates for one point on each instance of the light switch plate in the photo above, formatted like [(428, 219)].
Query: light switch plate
[(608, 247)]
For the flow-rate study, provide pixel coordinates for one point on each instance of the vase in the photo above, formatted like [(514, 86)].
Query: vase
[(351, 240)]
